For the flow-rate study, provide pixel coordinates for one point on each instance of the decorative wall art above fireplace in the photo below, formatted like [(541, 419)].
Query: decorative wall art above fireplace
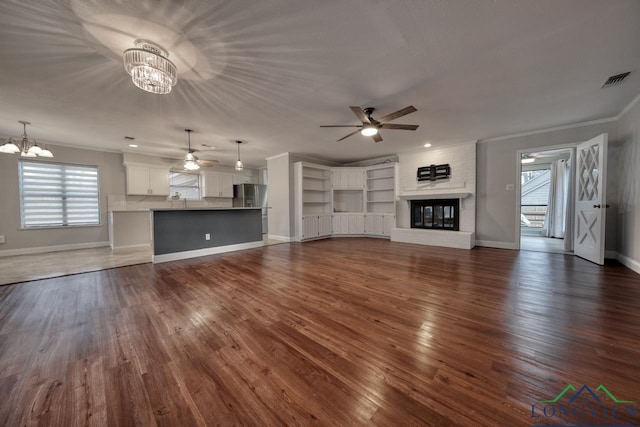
[(434, 172)]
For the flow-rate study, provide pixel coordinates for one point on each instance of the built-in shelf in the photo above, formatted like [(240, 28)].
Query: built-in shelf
[(315, 189), (380, 201), (380, 177), (381, 189), (313, 203), (315, 177)]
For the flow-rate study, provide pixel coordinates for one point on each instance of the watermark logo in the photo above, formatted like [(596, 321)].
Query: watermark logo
[(586, 406)]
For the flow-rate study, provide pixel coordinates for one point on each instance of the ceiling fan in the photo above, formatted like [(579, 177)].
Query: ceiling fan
[(371, 126), (190, 161)]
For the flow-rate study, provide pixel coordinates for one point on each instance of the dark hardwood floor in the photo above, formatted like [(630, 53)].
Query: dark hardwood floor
[(338, 332)]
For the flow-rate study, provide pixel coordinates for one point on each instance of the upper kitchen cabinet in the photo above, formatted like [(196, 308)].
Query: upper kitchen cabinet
[(147, 181), (218, 184)]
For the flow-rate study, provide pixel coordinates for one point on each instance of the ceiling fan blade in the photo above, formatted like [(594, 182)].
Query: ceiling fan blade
[(407, 110), (208, 163), (376, 137), (347, 136), (396, 126), (360, 114), (341, 126)]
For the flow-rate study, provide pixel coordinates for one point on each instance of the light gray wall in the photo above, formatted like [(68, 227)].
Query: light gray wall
[(628, 211), (280, 191), (112, 181), (496, 167)]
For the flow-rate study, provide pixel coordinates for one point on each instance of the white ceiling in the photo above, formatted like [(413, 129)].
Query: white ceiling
[(271, 72)]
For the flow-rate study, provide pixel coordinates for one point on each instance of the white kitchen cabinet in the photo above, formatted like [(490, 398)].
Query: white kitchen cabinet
[(147, 181), (217, 184), (244, 179)]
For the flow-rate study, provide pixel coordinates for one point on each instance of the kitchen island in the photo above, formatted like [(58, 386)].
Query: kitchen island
[(189, 233)]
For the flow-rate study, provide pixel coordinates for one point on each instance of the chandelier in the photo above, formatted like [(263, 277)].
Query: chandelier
[(149, 68), (27, 147)]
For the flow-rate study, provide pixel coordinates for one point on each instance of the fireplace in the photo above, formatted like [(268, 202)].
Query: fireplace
[(436, 214)]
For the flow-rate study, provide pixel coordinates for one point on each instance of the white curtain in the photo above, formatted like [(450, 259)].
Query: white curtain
[(555, 221)]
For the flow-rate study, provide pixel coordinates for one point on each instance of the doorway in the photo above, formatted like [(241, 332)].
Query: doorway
[(546, 201)]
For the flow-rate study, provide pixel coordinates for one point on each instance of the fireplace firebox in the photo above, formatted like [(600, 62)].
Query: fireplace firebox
[(436, 214)]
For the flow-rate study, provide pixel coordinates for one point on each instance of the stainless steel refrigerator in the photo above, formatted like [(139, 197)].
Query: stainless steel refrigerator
[(252, 196)]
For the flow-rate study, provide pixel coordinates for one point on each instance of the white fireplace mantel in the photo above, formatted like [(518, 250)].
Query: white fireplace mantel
[(434, 194)]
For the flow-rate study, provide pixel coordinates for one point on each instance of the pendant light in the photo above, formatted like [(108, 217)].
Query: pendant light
[(27, 147), (239, 165), (190, 161)]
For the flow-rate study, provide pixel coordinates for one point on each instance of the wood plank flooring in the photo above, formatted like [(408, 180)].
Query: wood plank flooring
[(340, 332)]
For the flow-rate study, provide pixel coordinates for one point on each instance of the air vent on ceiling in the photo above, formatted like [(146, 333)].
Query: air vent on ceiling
[(616, 80), (130, 138)]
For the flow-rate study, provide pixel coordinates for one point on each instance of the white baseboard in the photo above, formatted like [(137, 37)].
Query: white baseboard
[(629, 262), (57, 248), (206, 251), (280, 238), (497, 245)]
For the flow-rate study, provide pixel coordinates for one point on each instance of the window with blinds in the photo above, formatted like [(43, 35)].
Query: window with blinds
[(58, 194), (185, 185)]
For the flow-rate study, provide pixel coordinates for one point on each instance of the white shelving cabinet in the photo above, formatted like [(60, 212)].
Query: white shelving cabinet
[(313, 202), (344, 201), (381, 189)]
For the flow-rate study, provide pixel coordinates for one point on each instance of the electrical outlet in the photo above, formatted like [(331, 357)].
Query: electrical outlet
[(207, 236), (511, 187), (2, 239)]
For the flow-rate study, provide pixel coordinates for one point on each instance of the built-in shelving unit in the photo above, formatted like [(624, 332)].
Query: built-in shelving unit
[(316, 189), (380, 189), (344, 201)]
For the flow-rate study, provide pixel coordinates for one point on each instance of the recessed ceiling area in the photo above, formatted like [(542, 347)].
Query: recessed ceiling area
[(270, 73)]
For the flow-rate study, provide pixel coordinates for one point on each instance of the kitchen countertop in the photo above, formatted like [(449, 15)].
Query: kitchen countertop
[(203, 209), (181, 209)]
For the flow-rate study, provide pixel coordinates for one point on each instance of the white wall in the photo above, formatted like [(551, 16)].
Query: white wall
[(462, 160), (628, 209), (496, 167), (280, 191), (111, 174)]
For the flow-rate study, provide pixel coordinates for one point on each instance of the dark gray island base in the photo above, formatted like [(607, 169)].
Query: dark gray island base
[(182, 233)]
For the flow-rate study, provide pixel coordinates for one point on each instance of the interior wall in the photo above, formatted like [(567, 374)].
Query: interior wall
[(111, 174), (280, 196), (628, 211), (497, 166)]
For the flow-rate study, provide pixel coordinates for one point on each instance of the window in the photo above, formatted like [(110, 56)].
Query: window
[(58, 194), (185, 185)]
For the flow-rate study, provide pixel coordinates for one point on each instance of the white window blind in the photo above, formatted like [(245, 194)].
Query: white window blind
[(58, 194), (187, 185)]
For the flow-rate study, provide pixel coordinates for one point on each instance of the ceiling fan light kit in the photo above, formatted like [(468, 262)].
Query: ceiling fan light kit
[(369, 130), (27, 147), (371, 127), (149, 68)]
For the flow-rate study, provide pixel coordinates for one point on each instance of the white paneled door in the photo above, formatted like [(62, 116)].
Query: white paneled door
[(591, 191)]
